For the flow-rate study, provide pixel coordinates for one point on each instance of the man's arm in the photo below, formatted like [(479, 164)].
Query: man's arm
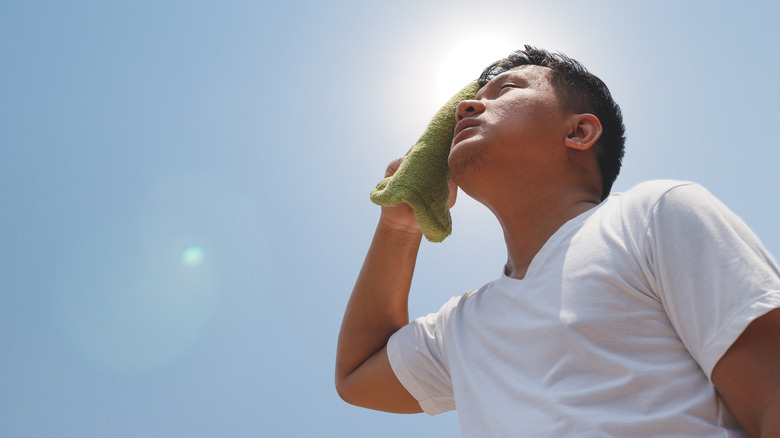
[(377, 308), (748, 377)]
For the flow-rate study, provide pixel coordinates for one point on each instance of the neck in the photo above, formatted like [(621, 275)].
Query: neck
[(528, 225)]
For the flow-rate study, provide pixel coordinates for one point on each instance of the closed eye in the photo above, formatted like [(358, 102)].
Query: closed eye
[(506, 87)]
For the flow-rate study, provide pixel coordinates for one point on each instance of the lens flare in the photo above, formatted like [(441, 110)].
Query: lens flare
[(192, 256), (138, 292)]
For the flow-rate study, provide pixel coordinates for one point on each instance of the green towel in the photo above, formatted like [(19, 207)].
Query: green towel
[(421, 180)]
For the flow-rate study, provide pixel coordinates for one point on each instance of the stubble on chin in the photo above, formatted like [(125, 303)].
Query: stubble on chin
[(464, 161)]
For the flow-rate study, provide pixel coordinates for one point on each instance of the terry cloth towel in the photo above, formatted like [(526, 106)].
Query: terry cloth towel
[(421, 179)]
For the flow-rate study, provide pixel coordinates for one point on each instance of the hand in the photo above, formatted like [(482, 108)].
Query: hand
[(401, 217)]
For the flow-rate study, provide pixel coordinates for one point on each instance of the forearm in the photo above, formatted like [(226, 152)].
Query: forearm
[(378, 306)]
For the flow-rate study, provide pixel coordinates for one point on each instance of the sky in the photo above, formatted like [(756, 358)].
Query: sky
[(184, 186)]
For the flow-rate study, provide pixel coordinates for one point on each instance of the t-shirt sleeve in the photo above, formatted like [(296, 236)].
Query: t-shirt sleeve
[(712, 274), (418, 358)]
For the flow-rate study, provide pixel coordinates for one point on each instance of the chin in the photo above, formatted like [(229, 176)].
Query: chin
[(464, 168), (464, 160)]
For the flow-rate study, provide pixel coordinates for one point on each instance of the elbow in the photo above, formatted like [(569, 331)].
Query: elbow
[(343, 389), (351, 390)]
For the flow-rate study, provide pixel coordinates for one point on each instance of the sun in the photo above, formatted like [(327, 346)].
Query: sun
[(465, 62)]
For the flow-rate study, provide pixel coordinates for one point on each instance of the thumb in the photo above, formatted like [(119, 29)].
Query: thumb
[(453, 192)]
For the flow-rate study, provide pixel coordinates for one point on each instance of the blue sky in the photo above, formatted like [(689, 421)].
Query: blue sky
[(184, 186)]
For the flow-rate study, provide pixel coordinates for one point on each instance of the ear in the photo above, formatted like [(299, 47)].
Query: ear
[(585, 131)]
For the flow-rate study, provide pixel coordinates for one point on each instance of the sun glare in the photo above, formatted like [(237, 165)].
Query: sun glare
[(466, 61)]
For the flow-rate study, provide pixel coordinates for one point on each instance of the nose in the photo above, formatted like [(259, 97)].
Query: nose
[(468, 108)]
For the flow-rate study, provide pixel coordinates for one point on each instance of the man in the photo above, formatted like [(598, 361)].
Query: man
[(648, 313)]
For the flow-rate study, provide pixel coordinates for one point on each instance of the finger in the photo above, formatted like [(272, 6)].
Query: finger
[(453, 192), (393, 167)]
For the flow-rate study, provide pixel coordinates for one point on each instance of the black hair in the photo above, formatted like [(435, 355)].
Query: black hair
[(577, 90)]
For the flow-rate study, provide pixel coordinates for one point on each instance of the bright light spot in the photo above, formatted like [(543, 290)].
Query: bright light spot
[(137, 311), (466, 61), (139, 308), (192, 256)]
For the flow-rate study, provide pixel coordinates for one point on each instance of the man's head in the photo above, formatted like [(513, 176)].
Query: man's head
[(579, 91)]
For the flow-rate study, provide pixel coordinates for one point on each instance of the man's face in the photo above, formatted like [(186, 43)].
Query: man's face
[(513, 124)]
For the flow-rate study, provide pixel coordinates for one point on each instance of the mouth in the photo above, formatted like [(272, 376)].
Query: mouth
[(462, 127)]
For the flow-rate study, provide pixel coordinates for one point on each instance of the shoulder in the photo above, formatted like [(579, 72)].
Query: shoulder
[(682, 211), (650, 192), (663, 197), (661, 205), (436, 322), (679, 202), (455, 304)]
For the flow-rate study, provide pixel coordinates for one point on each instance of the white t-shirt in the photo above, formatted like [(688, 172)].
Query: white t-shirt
[(613, 332)]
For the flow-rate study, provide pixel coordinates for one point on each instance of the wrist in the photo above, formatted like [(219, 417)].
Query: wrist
[(400, 229)]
